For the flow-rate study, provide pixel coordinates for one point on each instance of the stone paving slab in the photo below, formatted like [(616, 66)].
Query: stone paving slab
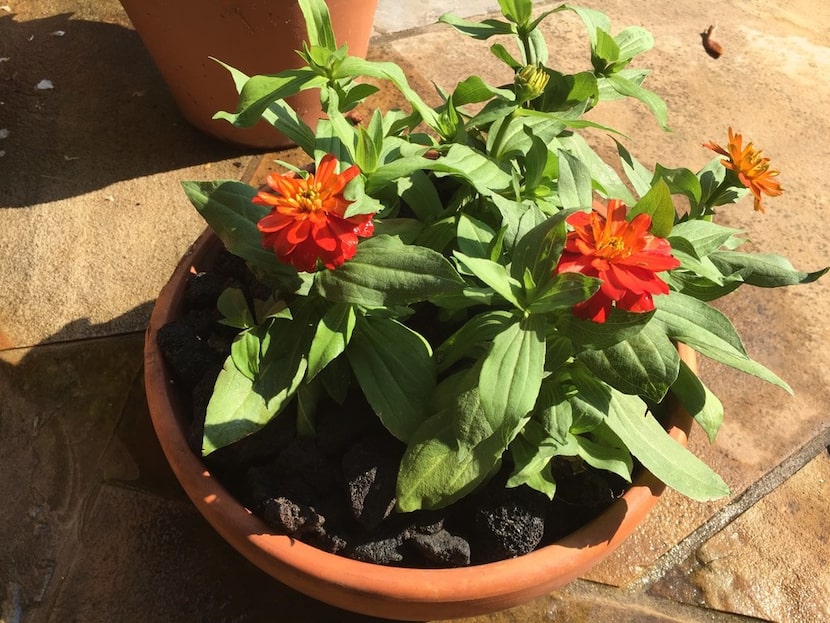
[(59, 408), (726, 572), (95, 222), (92, 218)]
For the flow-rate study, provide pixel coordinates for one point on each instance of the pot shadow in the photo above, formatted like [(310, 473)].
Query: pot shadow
[(89, 490), (83, 106)]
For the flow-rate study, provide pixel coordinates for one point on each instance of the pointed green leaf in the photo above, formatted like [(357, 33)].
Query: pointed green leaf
[(709, 332), (396, 372), (701, 403), (234, 308), (511, 373), (331, 337), (766, 270), (658, 205), (669, 461), (434, 472), (318, 24), (384, 271), (646, 364), (574, 185), (653, 102)]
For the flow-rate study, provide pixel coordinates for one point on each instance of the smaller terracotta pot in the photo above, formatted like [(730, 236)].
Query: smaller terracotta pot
[(391, 592), (254, 36)]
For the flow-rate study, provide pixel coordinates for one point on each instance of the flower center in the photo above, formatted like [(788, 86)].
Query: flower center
[(612, 248), (308, 200)]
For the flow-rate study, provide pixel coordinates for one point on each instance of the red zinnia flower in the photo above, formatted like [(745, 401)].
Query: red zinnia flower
[(622, 254), (307, 222), (752, 169)]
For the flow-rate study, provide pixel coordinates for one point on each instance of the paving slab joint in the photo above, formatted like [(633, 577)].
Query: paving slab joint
[(729, 513)]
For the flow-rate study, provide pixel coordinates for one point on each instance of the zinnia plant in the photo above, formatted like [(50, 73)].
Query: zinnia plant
[(496, 292)]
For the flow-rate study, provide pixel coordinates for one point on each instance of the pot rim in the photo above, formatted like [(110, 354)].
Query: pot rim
[(377, 590)]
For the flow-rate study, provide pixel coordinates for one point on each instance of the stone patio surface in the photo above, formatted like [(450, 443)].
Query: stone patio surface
[(94, 528)]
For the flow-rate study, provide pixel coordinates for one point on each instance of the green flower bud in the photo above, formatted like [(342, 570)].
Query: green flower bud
[(531, 81)]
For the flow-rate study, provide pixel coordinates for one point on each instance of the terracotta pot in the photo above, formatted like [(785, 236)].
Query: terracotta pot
[(254, 36), (397, 593)]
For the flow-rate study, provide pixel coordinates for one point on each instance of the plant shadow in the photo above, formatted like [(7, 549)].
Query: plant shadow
[(82, 106)]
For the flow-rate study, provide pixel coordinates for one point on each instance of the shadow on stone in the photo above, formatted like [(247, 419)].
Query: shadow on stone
[(84, 107)]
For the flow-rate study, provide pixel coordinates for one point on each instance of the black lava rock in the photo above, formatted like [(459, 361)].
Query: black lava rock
[(203, 290), (508, 522), (187, 354), (287, 517), (370, 469), (442, 548), (381, 551)]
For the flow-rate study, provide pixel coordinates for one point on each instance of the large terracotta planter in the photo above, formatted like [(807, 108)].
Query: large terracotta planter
[(254, 36), (397, 593)]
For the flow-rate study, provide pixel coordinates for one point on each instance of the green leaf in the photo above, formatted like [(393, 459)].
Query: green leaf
[(279, 114), (227, 208), (418, 192), (474, 236), (396, 372), (702, 267), (680, 181), (331, 337), (318, 24), (517, 11), (639, 176), (701, 237), (766, 270), (603, 174), (710, 333), (308, 397), (664, 457), (494, 275), (435, 472), (234, 308), (656, 203), (632, 41), (620, 325), (260, 92), (562, 292), (538, 251), (245, 400), (627, 87), (701, 403), (478, 30), (605, 51), (354, 67), (501, 53), (473, 90), (616, 460), (593, 20), (646, 364), (384, 271), (553, 410), (590, 402), (472, 339), (366, 152), (574, 186), (532, 451), (511, 373)]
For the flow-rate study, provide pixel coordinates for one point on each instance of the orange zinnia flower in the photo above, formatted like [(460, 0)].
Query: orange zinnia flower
[(622, 254), (752, 169), (307, 223)]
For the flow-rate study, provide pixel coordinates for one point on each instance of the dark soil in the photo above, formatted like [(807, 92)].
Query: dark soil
[(336, 490)]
